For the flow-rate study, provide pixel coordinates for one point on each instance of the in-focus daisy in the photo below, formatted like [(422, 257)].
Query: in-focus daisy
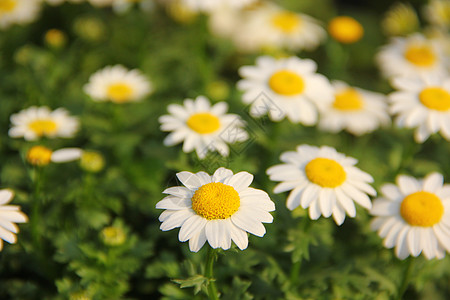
[(9, 215), (422, 103), (34, 123), (414, 216), (345, 29), (42, 156), (18, 12), (290, 86), (413, 55), (217, 209), (117, 84), (202, 127), (355, 110), (270, 26), (208, 5), (324, 180)]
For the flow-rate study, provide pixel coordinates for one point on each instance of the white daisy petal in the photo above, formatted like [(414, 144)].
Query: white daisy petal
[(176, 219), (413, 239), (190, 180), (197, 241), (247, 223), (66, 155), (314, 210), (174, 203), (191, 227), (433, 182), (6, 196), (338, 214), (240, 181)]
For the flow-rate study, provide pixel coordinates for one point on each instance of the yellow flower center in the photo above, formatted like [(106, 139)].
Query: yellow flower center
[(286, 83), (435, 98), (7, 6), (215, 201), (39, 156), (203, 123), (349, 99), (345, 29), (422, 209), (325, 172), (119, 92), (43, 127), (113, 236), (420, 55), (286, 21)]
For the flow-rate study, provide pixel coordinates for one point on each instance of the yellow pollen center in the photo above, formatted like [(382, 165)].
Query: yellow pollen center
[(345, 30), (435, 98), (420, 55), (286, 21), (286, 83), (203, 123), (39, 156), (422, 209), (325, 172), (7, 6), (119, 92), (349, 99), (215, 201), (43, 127)]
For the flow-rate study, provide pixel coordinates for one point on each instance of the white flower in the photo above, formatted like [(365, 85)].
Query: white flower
[(422, 103), (42, 156), (18, 12), (208, 5), (285, 87), (202, 127), (414, 216), (122, 6), (413, 55), (117, 84), (34, 123), (9, 215), (217, 209), (355, 110), (270, 26), (324, 180)]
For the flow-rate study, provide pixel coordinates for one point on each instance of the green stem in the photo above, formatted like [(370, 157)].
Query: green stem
[(295, 269), (36, 207), (405, 280), (212, 289)]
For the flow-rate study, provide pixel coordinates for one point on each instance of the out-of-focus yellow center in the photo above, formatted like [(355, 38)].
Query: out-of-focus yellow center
[(422, 209), (325, 172), (286, 21), (286, 83), (203, 123), (345, 29), (215, 201), (435, 98), (113, 236), (43, 127), (420, 55), (348, 99), (119, 92), (39, 156), (7, 6)]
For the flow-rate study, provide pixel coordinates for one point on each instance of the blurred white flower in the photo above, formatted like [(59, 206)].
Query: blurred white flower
[(9, 215), (18, 12)]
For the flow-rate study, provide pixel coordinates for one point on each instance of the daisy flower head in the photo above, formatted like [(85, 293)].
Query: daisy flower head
[(437, 12), (291, 87), (422, 103), (345, 29), (412, 55), (9, 215), (355, 110), (18, 12), (269, 26), (323, 180), (217, 209), (118, 84), (34, 123), (414, 216), (208, 5), (202, 127), (42, 156)]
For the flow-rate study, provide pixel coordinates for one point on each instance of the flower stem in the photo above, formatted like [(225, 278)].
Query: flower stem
[(212, 289), (36, 206), (405, 280)]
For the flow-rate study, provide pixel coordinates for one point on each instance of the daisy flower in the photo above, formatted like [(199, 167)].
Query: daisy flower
[(414, 216), (217, 209), (355, 110), (18, 12), (345, 29), (34, 123), (117, 84), (270, 26), (324, 180), (422, 103), (42, 156), (437, 12), (208, 5), (412, 55), (400, 19), (290, 86), (202, 127), (9, 215)]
